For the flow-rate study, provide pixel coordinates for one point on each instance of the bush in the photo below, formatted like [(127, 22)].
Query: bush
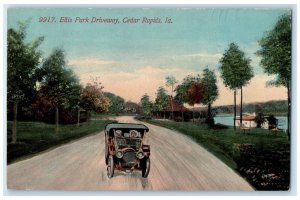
[(260, 119), (264, 168), (272, 122)]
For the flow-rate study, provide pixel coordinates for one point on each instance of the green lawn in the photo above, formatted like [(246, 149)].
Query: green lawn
[(254, 154), (34, 137)]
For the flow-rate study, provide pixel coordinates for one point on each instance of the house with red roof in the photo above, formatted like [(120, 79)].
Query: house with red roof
[(247, 121), (177, 108)]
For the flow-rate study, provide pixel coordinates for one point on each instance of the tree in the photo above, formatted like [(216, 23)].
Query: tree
[(272, 122), (145, 104), (209, 90), (183, 88), (170, 82), (59, 83), (161, 100), (180, 96), (260, 119), (93, 98), (22, 62), (194, 94), (235, 72), (116, 103), (276, 53)]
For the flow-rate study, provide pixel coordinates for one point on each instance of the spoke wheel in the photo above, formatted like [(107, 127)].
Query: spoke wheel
[(110, 166), (145, 167), (106, 154)]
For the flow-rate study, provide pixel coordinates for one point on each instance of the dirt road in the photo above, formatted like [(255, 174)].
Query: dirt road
[(177, 163)]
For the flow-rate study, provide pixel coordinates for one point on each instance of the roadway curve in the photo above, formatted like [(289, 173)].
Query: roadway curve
[(177, 163)]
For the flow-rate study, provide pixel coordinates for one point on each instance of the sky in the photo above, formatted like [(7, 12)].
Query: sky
[(131, 59)]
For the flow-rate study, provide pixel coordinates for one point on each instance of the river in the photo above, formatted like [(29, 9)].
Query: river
[(228, 120)]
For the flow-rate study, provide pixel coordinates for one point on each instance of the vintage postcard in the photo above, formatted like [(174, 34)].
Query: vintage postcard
[(154, 99)]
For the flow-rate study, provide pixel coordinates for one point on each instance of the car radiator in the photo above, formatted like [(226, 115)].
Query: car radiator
[(129, 157)]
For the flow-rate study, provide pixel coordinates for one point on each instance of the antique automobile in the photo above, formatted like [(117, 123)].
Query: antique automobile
[(125, 149)]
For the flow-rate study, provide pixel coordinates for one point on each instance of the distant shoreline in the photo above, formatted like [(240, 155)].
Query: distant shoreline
[(238, 114)]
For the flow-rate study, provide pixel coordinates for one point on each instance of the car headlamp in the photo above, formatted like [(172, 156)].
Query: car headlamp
[(140, 155), (119, 154)]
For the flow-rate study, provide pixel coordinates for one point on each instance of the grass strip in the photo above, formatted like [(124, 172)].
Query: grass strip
[(34, 137)]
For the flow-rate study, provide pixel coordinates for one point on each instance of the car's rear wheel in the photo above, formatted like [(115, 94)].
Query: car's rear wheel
[(110, 166), (145, 167)]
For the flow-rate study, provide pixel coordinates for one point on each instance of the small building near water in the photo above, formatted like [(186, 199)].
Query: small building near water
[(247, 122)]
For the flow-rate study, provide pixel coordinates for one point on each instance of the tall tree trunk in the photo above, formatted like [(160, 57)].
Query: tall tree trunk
[(193, 113), (234, 109), (182, 115), (199, 118), (56, 119), (209, 110), (78, 117), (14, 126), (241, 111), (172, 116), (88, 116), (164, 114), (289, 111)]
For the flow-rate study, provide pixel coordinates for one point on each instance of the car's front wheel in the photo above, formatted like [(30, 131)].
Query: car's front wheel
[(145, 167), (110, 166), (106, 154)]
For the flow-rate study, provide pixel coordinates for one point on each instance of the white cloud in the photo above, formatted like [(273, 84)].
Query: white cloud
[(151, 70), (205, 55), (90, 61)]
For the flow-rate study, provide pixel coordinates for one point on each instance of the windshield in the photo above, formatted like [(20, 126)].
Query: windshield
[(122, 142)]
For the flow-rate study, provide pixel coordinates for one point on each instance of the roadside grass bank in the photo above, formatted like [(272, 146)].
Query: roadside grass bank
[(260, 156), (34, 137)]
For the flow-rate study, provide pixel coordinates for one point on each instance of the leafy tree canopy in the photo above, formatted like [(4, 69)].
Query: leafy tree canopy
[(93, 98), (276, 51), (209, 87), (116, 103), (235, 67), (170, 81), (22, 62), (161, 100), (146, 104), (58, 81), (195, 94), (182, 89)]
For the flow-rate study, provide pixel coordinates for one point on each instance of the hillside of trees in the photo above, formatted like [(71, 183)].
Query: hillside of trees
[(278, 107)]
